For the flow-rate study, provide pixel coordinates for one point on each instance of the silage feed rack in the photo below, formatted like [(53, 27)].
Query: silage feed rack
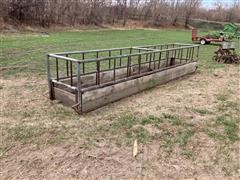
[(87, 80)]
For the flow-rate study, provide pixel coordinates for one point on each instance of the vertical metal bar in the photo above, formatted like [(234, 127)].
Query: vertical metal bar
[(83, 57), (198, 51), (98, 73), (98, 66), (187, 54), (50, 88), (130, 51), (48, 68), (97, 55), (150, 61), (114, 69), (192, 53), (71, 73), (170, 52), (159, 59), (128, 64), (139, 63), (109, 62), (67, 66), (147, 57), (181, 56), (79, 93), (178, 54), (167, 56), (154, 54), (120, 60), (57, 69)]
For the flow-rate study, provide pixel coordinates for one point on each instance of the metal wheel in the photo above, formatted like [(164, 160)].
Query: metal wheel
[(203, 41)]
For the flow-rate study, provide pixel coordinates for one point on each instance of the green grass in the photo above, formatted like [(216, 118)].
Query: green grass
[(183, 137), (146, 129), (36, 134), (151, 120), (180, 138), (122, 131), (175, 120), (231, 127), (202, 111), (222, 97), (225, 125), (224, 128), (25, 53), (188, 154)]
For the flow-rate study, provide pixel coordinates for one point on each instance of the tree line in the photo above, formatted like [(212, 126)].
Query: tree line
[(77, 12)]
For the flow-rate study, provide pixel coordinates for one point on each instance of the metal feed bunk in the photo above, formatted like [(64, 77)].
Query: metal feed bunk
[(72, 75)]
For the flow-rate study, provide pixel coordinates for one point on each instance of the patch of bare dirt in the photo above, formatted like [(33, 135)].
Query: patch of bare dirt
[(24, 103)]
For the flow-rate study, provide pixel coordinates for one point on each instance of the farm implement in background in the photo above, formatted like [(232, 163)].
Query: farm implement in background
[(230, 31), (226, 53)]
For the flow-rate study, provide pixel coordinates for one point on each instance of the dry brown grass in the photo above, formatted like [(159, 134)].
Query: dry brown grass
[(190, 125)]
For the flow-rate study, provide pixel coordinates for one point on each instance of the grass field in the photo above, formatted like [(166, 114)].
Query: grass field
[(26, 52), (188, 128)]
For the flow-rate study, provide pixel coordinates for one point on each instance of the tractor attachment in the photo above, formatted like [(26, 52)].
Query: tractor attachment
[(226, 54)]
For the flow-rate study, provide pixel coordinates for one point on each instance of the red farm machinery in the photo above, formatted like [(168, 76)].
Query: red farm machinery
[(207, 39), (230, 31)]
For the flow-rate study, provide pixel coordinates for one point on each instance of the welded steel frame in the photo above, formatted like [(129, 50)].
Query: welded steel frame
[(184, 53)]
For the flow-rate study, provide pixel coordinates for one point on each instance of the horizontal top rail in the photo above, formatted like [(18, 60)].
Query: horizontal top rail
[(92, 51), (115, 49), (63, 57), (142, 48), (167, 44)]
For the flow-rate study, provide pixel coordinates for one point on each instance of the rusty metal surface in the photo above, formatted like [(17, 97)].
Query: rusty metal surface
[(226, 55)]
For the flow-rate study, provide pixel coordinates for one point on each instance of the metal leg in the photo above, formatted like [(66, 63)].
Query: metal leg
[(50, 85), (98, 73), (67, 69), (159, 59), (139, 64), (79, 93), (57, 69), (83, 57), (71, 73)]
